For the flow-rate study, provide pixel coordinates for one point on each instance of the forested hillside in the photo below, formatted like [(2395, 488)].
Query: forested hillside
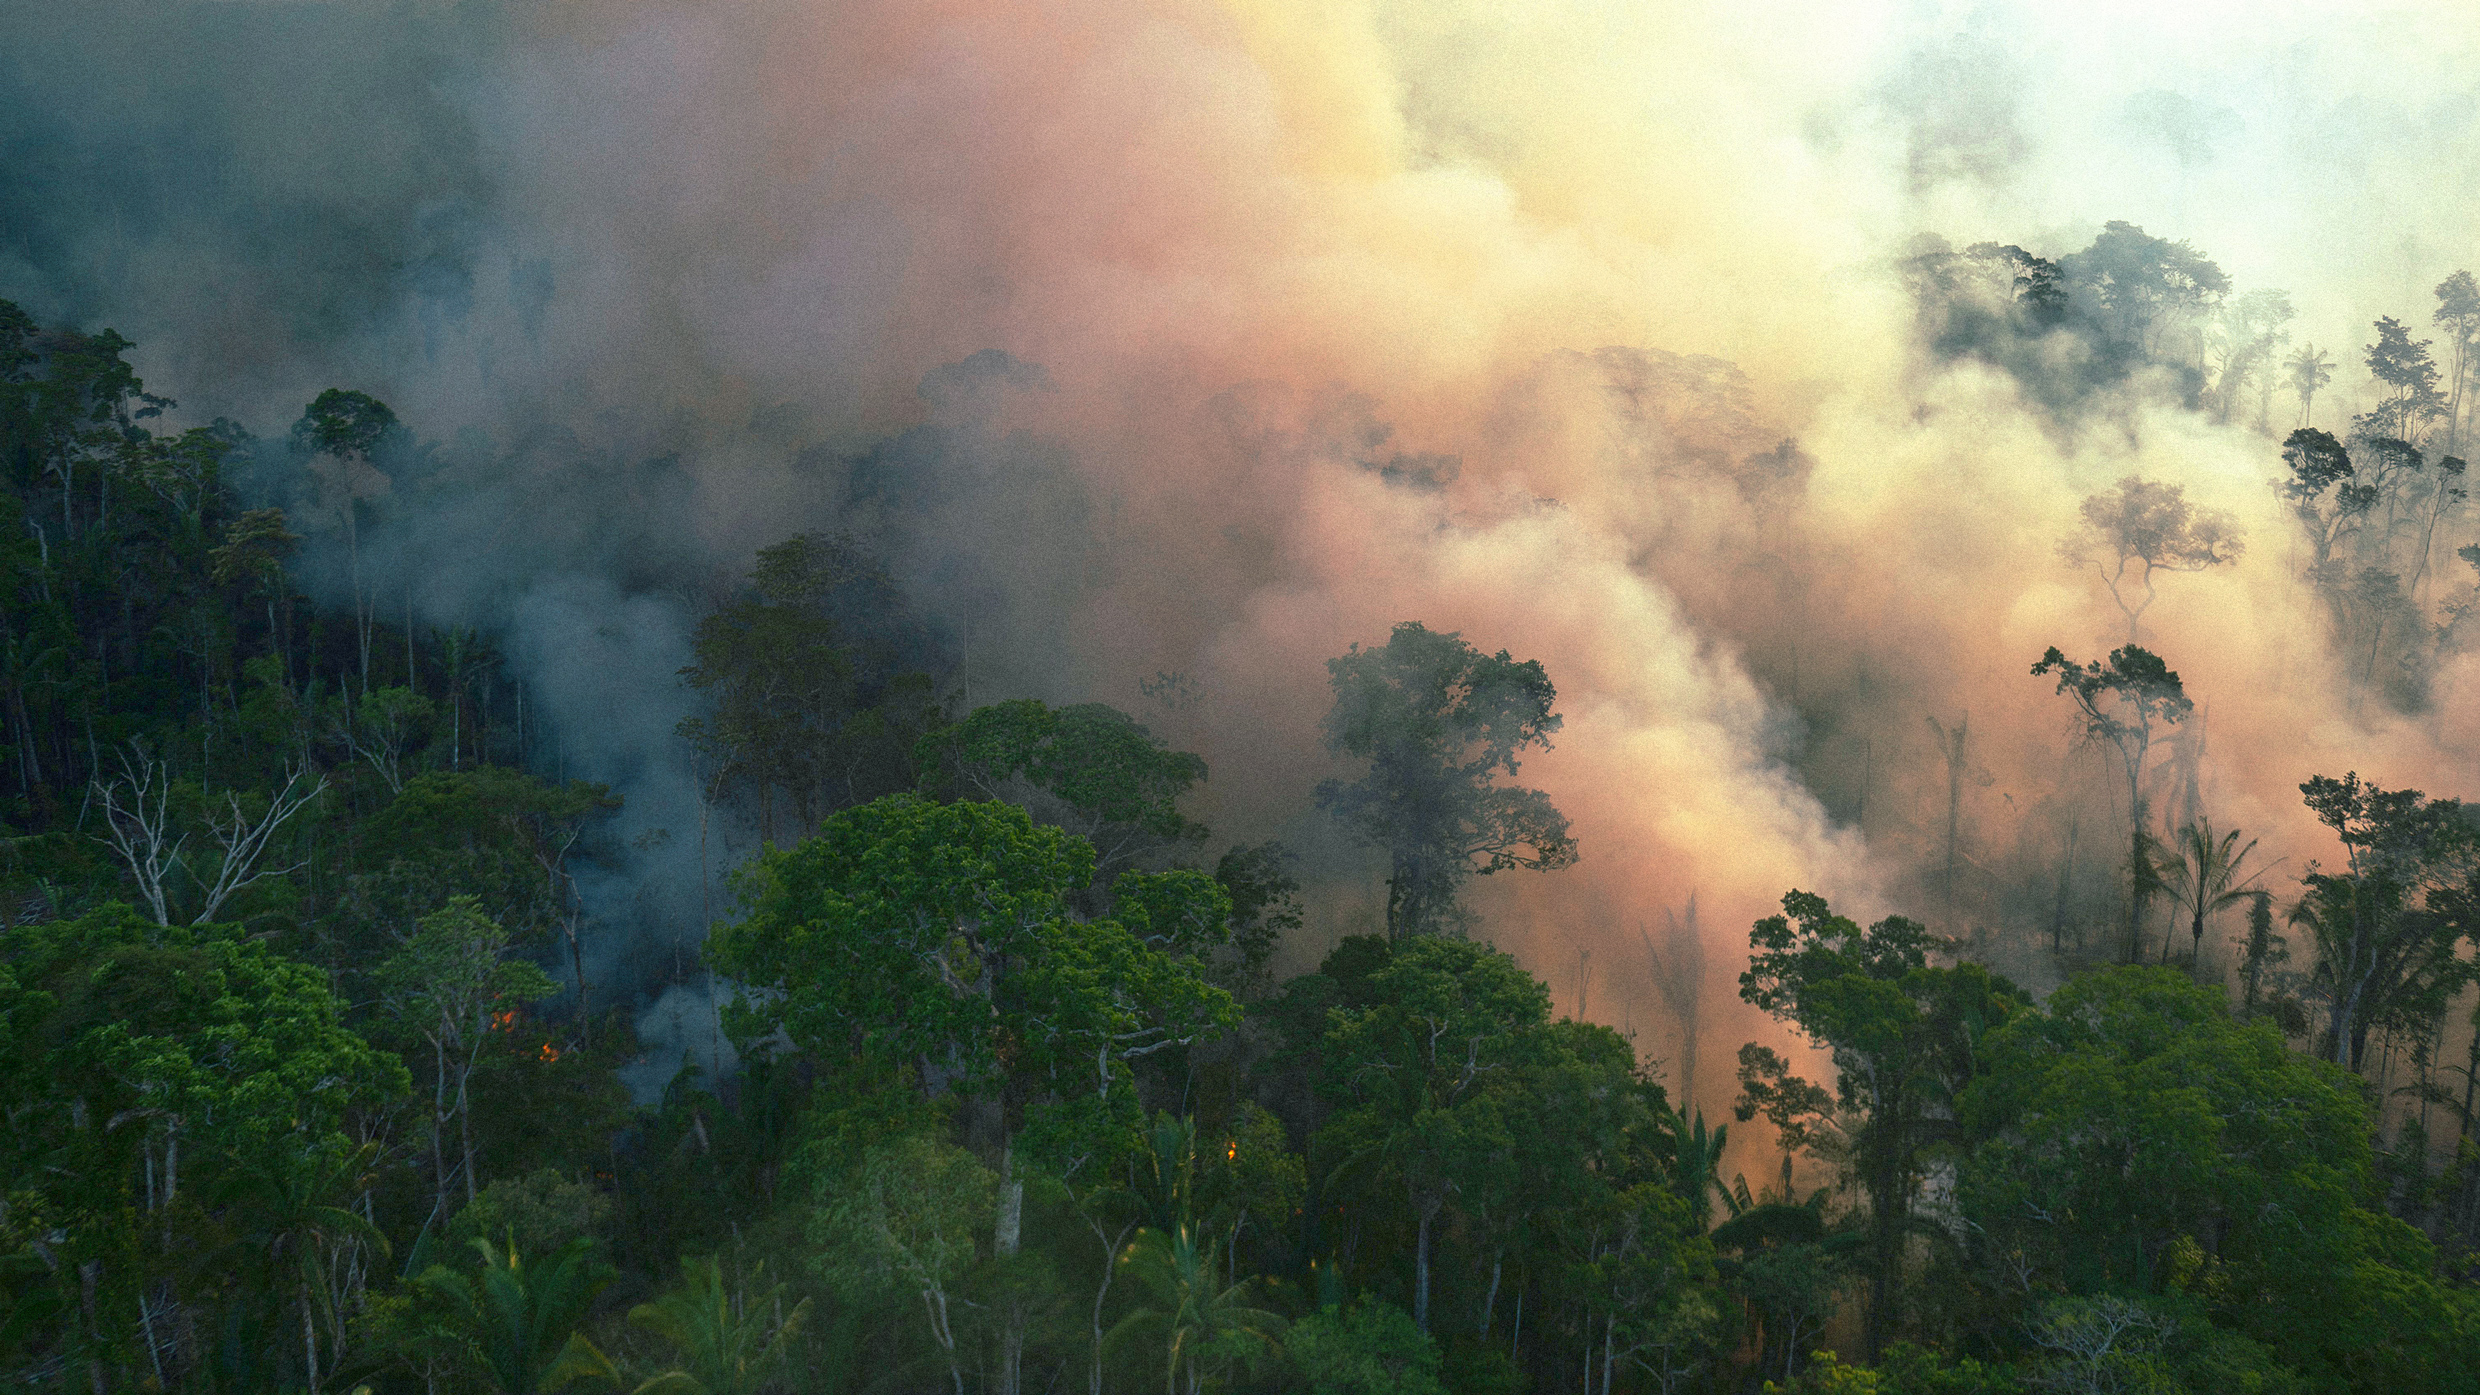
[(317, 1076)]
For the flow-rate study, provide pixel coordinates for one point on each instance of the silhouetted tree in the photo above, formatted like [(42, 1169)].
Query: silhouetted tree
[(798, 707), (1439, 722), (2327, 498), (2262, 955), (349, 428), (2446, 494), (2145, 526), (2136, 285), (2458, 314), (1903, 1037), (2200, 874), (2251, 329), (2311, 368), (2388, 925), (2411, 398), (2125, 702)]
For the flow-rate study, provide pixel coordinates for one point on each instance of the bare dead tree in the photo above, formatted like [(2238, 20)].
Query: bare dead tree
[(137, 821), (243, 838), (139, 826)]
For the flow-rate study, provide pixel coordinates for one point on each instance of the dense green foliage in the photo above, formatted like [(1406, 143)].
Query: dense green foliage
[(309, 1083)]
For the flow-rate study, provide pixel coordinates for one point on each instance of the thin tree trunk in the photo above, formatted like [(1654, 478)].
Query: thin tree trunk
[(577, 960), (90, 1277), (439, 1128), (309, 1336), (154, 1350), (1006, 1238), (2471, 1074), (2135, 893), (2066, 880), (465, 1131), (1489, 1301), (1420, 1291), (936, 1302), (1110, 1269)]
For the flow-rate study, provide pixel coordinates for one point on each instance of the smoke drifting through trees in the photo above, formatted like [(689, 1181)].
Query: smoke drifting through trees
[(1151, 342)]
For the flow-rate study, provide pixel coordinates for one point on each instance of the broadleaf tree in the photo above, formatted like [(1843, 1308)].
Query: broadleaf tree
[(1902, 1035), (1439, 722)]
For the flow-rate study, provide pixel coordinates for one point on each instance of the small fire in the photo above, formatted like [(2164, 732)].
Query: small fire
[(1232, 1154), (550, 1052), (503, 1021)]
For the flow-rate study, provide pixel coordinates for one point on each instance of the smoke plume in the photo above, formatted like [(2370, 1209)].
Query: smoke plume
[(1206, 340)]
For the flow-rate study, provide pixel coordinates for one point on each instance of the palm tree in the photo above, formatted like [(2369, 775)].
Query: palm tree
[(1204, 1327), (299, 1208), (1696, 1167), (2200, 873), (515, 1322), (2311, 369), (724, 1344)]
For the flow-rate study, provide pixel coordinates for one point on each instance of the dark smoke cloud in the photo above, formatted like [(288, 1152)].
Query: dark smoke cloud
[(1153, 342)]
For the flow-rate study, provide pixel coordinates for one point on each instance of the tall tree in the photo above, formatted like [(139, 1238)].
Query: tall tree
[(2147, 527), (937, 939), (2250, 331), (2458, 314), (453, 981), (2407, 383), (2125, 702), (1678, 966), (1903, 1039), (2327, 497), (1439, 722), (2260, 958), (504, 837), (1422, 1079), (802, 708), (2389, 923), (2447, 494), (2138, 287), (2200, 874), (350, 428), (1954, 746), (2311, 368)]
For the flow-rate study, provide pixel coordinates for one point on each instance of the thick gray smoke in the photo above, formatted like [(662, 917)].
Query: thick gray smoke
[(1191, 342)]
